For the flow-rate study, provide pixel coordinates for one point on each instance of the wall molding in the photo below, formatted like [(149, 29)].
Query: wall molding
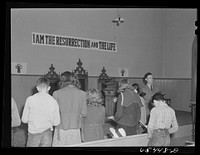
[(112, 77)]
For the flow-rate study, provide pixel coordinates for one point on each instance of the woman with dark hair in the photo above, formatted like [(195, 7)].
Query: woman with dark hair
[(73, 107), (149, 90)]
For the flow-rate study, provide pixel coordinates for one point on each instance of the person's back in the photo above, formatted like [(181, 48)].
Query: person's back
[(164, 116), (162, 122), (93, 123), (73, 107), (131, 113), (71, 102), (41, 112), (128, 111)]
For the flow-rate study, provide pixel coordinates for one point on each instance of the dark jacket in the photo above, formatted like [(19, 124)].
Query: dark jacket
[(72, 105), (128, 112)]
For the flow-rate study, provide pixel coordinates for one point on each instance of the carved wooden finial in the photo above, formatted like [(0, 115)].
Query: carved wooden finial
[(103, 75), (52, 75), (80, 69)]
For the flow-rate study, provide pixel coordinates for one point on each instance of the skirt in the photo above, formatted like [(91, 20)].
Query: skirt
[(66, 137)]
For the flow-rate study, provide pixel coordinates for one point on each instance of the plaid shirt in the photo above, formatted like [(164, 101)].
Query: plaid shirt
[(162, 117)]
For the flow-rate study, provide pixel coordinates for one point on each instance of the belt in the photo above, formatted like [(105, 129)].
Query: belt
[(160, 129)]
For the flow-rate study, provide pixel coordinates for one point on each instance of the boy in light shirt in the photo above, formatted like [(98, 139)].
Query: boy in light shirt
[(162, 122), (41, 112)]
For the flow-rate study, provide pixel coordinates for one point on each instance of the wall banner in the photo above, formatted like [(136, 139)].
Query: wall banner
[(72, 42)]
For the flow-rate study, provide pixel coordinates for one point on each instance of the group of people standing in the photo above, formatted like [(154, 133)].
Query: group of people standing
[(146, 106), (71, 115), (66, 117)]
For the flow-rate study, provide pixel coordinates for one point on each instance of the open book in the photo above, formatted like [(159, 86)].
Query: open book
[(189, 143), (143, 125)]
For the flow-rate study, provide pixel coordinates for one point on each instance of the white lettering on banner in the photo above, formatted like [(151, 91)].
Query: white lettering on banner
[(73, 42)]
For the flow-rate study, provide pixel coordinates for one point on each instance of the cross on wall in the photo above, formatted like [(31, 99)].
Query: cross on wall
[(18, 67)]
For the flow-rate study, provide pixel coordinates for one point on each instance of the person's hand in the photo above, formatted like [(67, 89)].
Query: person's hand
[(111, 117), (115, 99)]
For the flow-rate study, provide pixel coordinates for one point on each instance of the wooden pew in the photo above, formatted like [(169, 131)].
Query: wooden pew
[(135, 140)]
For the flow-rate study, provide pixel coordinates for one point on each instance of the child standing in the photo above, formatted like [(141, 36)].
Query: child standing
[(41, 112), (162, 122), (93, 122)]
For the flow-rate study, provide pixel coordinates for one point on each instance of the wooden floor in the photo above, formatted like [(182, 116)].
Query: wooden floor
[(183, 117), (180, 141)]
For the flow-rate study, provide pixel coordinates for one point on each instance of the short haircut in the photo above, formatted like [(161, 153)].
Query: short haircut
[(145, 76), (43, 81), (158, 97)]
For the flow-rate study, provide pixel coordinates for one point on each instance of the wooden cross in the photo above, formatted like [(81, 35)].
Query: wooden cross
[(19, 67), (122, 71)]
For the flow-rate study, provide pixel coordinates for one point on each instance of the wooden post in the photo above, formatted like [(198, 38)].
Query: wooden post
[(193, 85)]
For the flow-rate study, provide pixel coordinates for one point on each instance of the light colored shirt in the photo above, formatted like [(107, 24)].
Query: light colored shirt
[(16, 121), (41, 112), (162, 117)]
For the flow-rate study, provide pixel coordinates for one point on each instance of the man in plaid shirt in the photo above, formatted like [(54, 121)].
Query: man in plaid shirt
[(162, 122)]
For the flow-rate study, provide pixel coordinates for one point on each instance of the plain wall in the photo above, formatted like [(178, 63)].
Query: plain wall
[(179, 34), (149, 40), (139, 40)]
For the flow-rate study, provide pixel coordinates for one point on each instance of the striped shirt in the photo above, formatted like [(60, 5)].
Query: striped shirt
[(162, 117)]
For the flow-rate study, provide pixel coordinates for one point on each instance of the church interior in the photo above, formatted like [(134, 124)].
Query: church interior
[(128, 42)]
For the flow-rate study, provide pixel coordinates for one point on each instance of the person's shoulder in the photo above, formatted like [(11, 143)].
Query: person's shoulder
[(128, 92), (32, 96), (50, 97), (57, 91), (82, 92), (102, 107), (171, 109), (155, 109)]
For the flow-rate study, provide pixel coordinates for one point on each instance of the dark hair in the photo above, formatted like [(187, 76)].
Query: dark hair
[(145, 76), (69, 78), (43, 81), (136, 86), (158, 97)]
